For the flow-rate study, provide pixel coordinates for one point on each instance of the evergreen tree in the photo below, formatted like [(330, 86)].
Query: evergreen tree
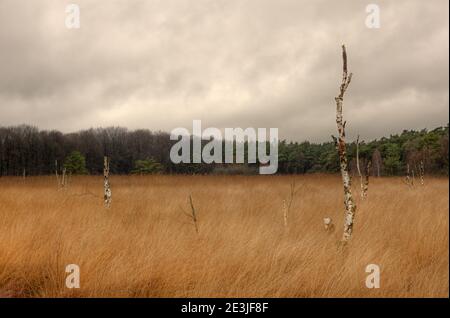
[(75, 163), (147, 166)]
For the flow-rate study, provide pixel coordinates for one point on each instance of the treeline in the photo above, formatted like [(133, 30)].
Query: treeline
[(26, 149), (388, 155)]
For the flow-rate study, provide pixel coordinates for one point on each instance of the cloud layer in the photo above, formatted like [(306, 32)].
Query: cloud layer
[(255, 63)]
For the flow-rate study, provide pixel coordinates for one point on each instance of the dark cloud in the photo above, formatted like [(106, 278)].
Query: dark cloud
[(255, 63)]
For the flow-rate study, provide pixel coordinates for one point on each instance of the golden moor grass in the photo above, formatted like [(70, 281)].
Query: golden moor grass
[(146, 245)]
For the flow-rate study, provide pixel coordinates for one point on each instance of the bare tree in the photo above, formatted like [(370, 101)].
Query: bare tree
[(422, 173), (350, 207), (408, 179), (366, 178), (63, 178), (107, 188)]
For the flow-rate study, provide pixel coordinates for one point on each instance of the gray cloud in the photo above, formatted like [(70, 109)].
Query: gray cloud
[(255, 63)]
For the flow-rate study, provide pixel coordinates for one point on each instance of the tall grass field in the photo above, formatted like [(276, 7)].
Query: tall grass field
[(146, 243)]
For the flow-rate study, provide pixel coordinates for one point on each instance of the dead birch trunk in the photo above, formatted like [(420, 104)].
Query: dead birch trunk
[(63, 178), (350, 207), (408, 180), (366, 178), (107, 188), (422, 173)]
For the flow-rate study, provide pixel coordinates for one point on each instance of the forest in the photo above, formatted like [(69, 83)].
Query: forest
[(26, 150)]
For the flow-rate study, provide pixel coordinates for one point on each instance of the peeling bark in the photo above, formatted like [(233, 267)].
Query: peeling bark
[(107, 189), (350, 207)]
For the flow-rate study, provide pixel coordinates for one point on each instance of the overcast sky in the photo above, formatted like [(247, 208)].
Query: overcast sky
[(231, 63)]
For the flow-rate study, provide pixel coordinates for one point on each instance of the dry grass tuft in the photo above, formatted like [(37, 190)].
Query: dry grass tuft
[(145, 246)]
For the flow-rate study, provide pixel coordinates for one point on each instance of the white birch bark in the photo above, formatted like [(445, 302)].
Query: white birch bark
[(366, 179), (350, 207), (408, 181), (63, 178), (107, 188)]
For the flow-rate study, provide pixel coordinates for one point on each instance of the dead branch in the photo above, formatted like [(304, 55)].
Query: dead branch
[(366, 178), (194, 214), (287, 204)]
